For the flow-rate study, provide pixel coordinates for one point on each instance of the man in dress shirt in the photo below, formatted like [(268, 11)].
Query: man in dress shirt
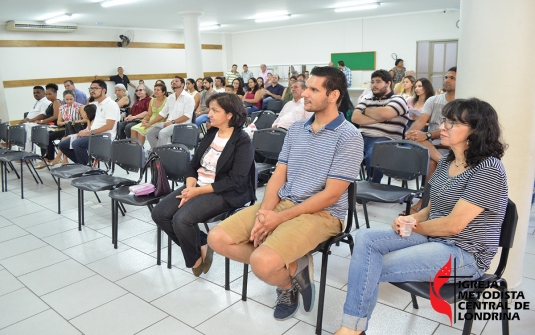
[(263, 72), (246, 74), (178, 109), (293, 110), (79, 96)]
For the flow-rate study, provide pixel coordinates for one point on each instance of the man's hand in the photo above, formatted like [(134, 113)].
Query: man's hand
[(416, 136), (145, 124), (167, 124), (265, 223), (24, 120), (84, 133), (187, 194)]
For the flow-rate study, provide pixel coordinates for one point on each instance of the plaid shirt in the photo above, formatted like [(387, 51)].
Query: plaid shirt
[(347, 72)]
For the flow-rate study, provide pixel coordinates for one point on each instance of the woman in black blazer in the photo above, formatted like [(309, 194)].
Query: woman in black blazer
[(220, 178)]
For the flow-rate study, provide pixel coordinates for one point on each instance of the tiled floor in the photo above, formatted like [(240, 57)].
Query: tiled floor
[(57, 280)]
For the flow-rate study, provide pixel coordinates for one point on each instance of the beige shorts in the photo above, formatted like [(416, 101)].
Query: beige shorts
[(291, 239)]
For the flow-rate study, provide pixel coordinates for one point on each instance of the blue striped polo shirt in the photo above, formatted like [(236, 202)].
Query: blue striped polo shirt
[(335, 152)]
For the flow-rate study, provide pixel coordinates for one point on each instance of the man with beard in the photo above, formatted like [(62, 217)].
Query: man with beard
[(382, 117), (105, 121), (305, 201), (178, 109), (202, 110)]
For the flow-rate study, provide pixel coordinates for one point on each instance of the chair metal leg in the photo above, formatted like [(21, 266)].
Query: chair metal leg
[(244, 284), (169, 245), (59, 197), (366, 214), (37, 173), (227, 274), (21, 181), (356, 219), (29, 168), (82, 215), (159, 246), (468, 322), (13, 169), (3, 170), (113, 221), (505, 322), (80, 206), (414, 301), (96, 195), (121, 208), (321, 298)]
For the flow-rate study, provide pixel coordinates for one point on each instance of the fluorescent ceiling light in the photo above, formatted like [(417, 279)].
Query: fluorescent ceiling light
[(273, 18), (210, 27), (58, 18), (353, 3), (363, 7), (110, 3)]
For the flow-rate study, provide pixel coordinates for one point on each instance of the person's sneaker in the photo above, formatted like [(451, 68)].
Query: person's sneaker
[(303, 280), (287, 304)]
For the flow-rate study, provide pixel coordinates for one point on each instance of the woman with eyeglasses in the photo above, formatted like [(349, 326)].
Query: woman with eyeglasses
[(138, 111), (468, 199)]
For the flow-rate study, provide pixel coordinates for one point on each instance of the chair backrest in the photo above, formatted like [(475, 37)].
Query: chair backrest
[(275, 105), (100, 148), (268, 142), (128, 154), (400, 159), (352, 207), (254, 115), (175, 159), (17, 135), (4, 131), (507, 235), (265, 120), (40, 136), (186, 134)]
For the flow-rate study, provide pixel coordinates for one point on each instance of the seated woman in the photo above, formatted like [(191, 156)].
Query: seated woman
[(88, 113), (73, 118), (407, 88), (238, 87), (191, 88), (463, 218), (423, 90), (156, 105), (51, 117), (218, 180), (138, 111), (122, 99), (253, 98), (260, 82), (287, 93)]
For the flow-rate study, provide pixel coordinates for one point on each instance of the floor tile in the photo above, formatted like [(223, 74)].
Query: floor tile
[(524, 326), (530, 244), (11, 232), (216, 299), (15, 201), (125, 315), (71, 238), (217, 271), (145, 242), (88, 213), (245, 318), (19, 245), (302, 328), (95, 250), (45, 323), (122, 264), (156, 281), (337, 268), (529, 269), (169, 326), (24, 210), (55, 276), (5, 222), (391, 321), (33, 260), (447, 330), (257, 290), (19, 305), (177, 259), (83, 296), (8, 283), (528, 288), (129, 228), (392, 296), (36, 218), (53, 227)]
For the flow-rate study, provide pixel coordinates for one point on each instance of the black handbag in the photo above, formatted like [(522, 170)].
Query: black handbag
[(72, 128)]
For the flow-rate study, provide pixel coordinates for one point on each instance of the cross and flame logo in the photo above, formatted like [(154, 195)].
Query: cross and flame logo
[(438, 303)]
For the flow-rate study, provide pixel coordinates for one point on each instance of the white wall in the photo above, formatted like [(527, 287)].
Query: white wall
[(314, 43), (46, 62)]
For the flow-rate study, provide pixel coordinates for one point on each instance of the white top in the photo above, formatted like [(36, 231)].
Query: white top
[(291, 112), (220, 90), (175, 108), (206, 173), (106, 110), (39, 107)]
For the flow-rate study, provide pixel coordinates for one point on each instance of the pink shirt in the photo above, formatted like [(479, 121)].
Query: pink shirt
[(264, 75)]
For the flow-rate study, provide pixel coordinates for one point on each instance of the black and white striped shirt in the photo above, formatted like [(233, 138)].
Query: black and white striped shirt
[(484, 185)]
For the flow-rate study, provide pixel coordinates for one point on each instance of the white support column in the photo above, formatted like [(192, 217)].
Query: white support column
[(192, 41), (495, 64)]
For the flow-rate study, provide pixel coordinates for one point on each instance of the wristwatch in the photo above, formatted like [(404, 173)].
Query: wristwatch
[(429, 137), (92, 132), (173, 121)]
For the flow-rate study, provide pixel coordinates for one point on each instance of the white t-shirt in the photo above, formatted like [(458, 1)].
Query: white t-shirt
[(39, 108), (107, 110), (220, 90), (206, 173), (291, 112), (175, 108)]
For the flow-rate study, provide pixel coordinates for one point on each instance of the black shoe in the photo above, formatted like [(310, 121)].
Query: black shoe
[(287, 304), (303, 281)]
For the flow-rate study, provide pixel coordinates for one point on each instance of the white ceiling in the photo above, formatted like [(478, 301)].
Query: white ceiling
[(234, 15)]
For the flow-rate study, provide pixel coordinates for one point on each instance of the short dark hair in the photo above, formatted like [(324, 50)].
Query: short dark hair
[(90, 110), (244, 65), (68, 81), (307, 71), (40, 88), (162, 87), (452, 69), (52, 87), (300, 82), (485, 139), (334, 80), (341, 63), (230, 86), (383, 74), (181, 80), (222, 80), (397, 61), (300, 75), (230, 103), (293, 77), (101, 83), (234, 65), (208, 79)]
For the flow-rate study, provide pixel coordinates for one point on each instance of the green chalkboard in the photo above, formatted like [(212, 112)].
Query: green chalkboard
[(356, 60)]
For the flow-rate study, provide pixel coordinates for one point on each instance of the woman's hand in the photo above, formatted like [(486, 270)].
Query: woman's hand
[(145, 123), (397, 226), (187, 194)]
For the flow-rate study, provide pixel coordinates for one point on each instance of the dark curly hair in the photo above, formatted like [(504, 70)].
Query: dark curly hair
[(230, 103), (485, 139)]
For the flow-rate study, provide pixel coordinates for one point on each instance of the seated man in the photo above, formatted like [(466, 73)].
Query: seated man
[(178, 109), (79, 96), (305, 201), (272, 91), (105, 122), (202, 111), (37, 113), (293, 110), (220, 84)]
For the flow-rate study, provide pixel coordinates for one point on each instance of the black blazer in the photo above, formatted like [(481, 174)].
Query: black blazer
[(235, 169)]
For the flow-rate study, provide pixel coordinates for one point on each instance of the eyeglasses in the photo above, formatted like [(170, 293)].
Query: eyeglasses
[(448, 124), (94, 88)]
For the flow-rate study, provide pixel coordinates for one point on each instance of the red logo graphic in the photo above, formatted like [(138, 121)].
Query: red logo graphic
[(437, 302)]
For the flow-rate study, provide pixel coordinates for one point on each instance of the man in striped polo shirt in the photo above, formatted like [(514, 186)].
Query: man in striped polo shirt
[(305, 201), (382, 117)]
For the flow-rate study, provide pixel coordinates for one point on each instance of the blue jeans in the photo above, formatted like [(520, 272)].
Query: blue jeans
[(368, 147), (265, 102), (251, 110), (78, 153), (201, 119), (381, 255)]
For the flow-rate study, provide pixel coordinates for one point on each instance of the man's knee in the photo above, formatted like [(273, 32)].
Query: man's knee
[(219, 240), (64, 145), (265, 261)]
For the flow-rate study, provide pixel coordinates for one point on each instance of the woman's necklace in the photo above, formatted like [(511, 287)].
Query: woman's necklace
[(463, 164)]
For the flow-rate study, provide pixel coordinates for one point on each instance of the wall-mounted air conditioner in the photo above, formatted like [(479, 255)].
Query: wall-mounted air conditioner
[(41, 26)]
